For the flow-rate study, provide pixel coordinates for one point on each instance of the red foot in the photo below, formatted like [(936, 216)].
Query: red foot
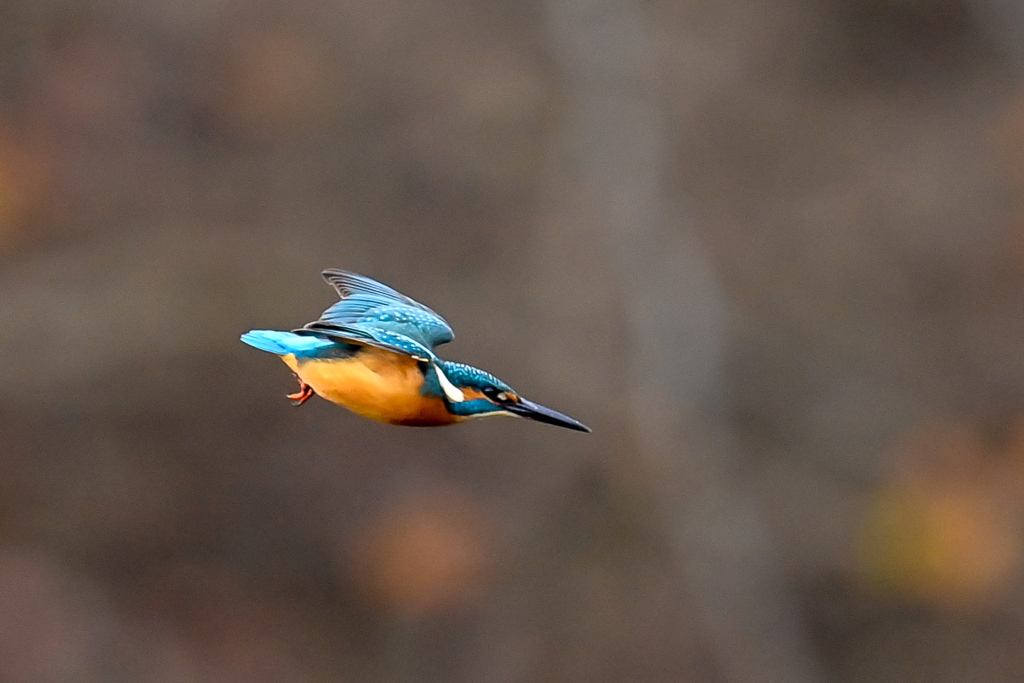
[(304, 393)]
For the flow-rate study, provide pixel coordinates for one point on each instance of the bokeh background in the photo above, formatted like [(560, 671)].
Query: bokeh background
[(772, 251)]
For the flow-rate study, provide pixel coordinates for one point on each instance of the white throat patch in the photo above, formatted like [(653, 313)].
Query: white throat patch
[(453, 393)]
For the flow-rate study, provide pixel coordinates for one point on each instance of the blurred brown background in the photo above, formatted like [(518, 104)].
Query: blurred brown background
[(772, 251)]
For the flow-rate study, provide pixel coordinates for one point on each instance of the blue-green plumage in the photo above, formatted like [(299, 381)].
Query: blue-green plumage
[(468, 378), (461, 375), (422, 389)]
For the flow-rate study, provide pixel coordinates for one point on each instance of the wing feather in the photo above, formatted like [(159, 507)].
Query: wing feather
[(375, 314)]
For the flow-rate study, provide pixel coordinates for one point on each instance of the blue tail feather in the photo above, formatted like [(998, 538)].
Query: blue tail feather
[(283, 343)]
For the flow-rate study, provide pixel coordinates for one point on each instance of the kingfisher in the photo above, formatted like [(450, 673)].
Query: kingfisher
[(373, 353)]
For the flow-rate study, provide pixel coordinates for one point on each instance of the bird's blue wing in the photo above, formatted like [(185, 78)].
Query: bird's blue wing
[(368, 302), (374, 314)]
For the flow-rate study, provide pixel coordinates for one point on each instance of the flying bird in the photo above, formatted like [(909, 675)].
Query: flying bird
[(373, 353)]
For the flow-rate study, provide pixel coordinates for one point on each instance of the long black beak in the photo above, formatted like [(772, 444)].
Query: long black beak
[(532, 411)]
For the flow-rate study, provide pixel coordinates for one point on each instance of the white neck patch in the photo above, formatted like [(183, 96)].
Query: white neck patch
[(453, 393)]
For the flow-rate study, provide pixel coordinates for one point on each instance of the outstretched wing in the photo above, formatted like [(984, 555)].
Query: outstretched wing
[(374, 314)]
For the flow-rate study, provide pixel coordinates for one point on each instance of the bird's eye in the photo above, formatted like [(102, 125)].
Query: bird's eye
[(498, 396)]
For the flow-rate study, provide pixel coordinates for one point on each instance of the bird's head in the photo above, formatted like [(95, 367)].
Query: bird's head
[(470, 392)]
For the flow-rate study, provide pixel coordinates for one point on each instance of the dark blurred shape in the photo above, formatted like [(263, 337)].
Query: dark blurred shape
[(911, 39)]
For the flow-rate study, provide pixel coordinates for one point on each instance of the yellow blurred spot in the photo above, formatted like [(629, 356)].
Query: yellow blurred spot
[(945, 532), (946, 548)]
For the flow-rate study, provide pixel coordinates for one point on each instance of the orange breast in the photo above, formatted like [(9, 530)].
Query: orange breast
[(377, 384)]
